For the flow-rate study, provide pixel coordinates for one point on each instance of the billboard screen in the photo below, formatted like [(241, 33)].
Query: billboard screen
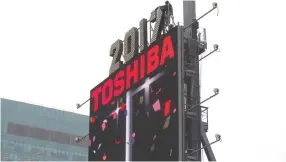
[(134, 112)]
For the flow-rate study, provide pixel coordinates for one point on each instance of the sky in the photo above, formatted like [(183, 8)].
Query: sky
[(53, 52)]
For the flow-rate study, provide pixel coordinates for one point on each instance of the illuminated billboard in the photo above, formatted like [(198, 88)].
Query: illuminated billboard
[(134, 112)]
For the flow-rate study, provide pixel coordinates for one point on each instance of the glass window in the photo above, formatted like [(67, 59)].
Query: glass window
[(43, 134), (2, 145), (26, 147), (11, 157), (39, 133), (37, 151), (78, 158), (58, 155), (19, 148), (62, 138), (83, 143), (10, 145), (18, 129)]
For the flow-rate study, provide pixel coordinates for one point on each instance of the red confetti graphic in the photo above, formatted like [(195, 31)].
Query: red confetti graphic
[(122, 106), (114, 115), (117, 142), (104, 157), (167, 108), (103, 125), (174, 111), (89, 143), (92, 120), (133, 134), (154, 137), (158, 91), (174, 73), (156, 106)]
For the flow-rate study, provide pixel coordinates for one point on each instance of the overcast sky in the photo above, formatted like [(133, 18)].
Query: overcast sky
[(53, 52)]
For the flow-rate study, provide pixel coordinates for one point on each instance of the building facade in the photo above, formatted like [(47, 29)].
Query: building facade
[(36, 133)]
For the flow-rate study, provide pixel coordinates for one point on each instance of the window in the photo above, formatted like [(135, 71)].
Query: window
[(43, 134), (39, 133), (10, 145), (59, 155), (62, 138), (18, 129), (79, 158), (72, 140), (37, 151), (83, 143), (19, 148), (5, 156)]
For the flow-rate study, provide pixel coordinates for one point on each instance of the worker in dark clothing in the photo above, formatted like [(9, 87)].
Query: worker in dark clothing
[(168, 12)]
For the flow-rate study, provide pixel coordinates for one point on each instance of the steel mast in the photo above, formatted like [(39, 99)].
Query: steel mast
[(194, 45)]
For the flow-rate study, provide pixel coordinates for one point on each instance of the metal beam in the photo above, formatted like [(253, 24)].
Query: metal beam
[(189, 9), (193, 124), (182, 140), (208, 150)]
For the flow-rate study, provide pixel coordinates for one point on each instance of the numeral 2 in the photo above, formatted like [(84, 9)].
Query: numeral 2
[(116, 52)]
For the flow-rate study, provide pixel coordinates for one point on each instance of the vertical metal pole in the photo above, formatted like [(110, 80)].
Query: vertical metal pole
[(189, 9), (193, 128), (129, 103), (128, 144), (181, 106)]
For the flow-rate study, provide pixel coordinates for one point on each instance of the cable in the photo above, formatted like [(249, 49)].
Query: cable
[(77, 140), (80, 105), (203, 100), (208, 54)]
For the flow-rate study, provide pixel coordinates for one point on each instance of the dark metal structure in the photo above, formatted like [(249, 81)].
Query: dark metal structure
[(195, 128)]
